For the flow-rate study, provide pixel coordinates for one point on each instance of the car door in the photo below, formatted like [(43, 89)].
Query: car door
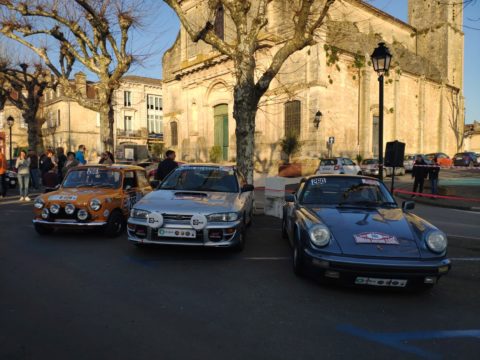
[(131, 191), (349, 167)]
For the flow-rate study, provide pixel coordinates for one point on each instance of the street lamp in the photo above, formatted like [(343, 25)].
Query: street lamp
[(317, 119), (381, 59), (10, 122)]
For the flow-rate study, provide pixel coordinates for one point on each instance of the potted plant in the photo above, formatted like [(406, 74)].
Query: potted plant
[(290, 145)]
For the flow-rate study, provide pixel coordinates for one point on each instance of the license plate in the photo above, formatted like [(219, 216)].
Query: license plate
[(177, 233), (380, 282)]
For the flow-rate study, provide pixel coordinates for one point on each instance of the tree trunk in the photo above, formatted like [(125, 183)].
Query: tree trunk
[(244, 112), (35, 138), (107, 120)]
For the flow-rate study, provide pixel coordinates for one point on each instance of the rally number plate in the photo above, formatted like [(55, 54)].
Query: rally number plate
[(360, 280), (177, 233)]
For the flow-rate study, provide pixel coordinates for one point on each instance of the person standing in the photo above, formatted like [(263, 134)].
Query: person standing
[(34, 170), (3, 174), (61, 160), (23, 172), (419, 172), (105, 159), (167, 165), (80, 155), (47, 163), (71, 162), (433, 175)]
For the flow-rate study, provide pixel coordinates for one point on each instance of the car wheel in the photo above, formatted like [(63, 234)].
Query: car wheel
[(115, 224), (284, 227), (297, 261), (240, 245), (43, 230), (359, 173)]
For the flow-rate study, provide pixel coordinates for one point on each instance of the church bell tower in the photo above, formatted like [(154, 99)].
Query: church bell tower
[(440, 36)]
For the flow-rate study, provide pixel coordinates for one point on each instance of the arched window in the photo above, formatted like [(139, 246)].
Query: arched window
[(219, 26), (293, 117), (174, 133)]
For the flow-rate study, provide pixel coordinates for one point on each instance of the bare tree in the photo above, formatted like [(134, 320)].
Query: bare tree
[(91, 32), (251, 82), (24, 90), (455, 118)]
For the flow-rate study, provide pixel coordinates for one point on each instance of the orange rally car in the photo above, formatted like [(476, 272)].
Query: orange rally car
[(92, 196)]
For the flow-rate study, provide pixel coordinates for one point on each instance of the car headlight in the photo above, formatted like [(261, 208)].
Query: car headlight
[(45, 214), (437, 241), (11, 175), (82, 215), (54, 209), (223, 217), (319, 235), (69, 209), (139, 213), (95, 204), (39, 203)]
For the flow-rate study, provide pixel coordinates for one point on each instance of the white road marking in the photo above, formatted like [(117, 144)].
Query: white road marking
[(467, 211), (268, 258), (466, 259), (464, 237)]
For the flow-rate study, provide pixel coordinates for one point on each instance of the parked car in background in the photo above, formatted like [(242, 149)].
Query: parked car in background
[(92, 196), (442, 159), (12, 179), (478, 158), (338, 165), (349, 229), (195, 205), (409, 160), (370, 167), (465, 159)]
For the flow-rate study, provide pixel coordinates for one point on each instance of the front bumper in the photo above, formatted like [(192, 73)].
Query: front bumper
[(346, 269), (149, 235), (69, 223)]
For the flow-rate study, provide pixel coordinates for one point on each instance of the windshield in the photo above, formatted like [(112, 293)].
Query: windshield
[(370, 162), (328, 162), (341, 191), (93, 177), (204, 178)]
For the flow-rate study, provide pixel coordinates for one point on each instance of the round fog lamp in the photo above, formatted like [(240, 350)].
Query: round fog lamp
[(54, 209), (82, 215), (45, 214), (69, 209)]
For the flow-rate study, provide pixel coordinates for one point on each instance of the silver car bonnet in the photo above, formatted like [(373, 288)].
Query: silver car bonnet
[(189, 202)]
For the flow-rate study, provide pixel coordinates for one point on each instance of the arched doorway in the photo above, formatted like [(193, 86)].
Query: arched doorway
[(220, 113)]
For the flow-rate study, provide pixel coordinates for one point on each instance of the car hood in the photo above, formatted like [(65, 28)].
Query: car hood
[(77, 195), (345, 223), (188, 202)]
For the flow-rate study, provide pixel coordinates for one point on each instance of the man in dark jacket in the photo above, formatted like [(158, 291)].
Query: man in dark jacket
[(419, 172), (433, 176), (166, 166)]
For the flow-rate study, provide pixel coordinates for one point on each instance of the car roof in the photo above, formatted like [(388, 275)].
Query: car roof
[(113, 166), (337, 175), (209, 165)]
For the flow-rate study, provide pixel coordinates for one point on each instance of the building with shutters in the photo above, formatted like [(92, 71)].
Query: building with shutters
[(333, 77)]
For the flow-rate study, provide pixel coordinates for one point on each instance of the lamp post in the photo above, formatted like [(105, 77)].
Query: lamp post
[(317, 119), (381, 59), (10, 122)]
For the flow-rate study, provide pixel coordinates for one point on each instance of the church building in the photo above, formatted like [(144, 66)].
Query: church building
[(423, 89)]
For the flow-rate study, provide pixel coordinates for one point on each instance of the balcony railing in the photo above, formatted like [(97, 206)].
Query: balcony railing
[(132, 133), (156, 136)]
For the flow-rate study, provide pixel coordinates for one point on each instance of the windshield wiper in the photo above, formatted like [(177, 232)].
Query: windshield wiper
[(358, 204)]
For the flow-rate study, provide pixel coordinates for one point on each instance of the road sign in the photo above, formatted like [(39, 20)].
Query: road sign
[(331, 140)]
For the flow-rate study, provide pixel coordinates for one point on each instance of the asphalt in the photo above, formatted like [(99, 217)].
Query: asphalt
[(82, 296)]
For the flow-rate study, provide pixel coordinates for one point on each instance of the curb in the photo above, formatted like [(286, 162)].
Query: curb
[(438, 204)]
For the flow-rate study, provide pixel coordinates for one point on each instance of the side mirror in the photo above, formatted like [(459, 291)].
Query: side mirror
[(154, 183), (289, 198), (247, 187), (408, 205)]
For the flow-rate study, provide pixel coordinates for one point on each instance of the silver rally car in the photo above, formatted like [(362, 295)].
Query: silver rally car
[(197, 205)]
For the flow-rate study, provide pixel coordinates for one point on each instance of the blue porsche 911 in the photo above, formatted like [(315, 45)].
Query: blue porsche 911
[(349, 229)]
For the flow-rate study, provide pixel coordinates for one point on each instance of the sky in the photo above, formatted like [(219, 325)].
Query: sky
[(161, 28)]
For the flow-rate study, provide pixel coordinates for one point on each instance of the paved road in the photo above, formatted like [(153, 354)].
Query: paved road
[(82, 296)]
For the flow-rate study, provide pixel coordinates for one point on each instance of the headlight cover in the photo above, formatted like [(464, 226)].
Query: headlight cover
[(437, 241), (319, 235), (82, 215), (95, 204), (223, 217), (39, 203), (139, 213), (55, 209), (69, 209)]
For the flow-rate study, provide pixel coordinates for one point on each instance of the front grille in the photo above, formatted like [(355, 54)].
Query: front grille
[(176, 219)]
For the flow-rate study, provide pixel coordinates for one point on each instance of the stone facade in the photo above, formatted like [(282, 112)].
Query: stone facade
[(334, 77)]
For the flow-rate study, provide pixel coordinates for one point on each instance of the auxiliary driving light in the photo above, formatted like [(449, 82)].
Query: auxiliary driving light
[(45, 213), (69, 209), (54, 209), (82, 215), (430, 280)]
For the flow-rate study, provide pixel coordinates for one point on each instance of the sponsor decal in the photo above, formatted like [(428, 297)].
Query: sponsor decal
[(375, 238), (155, 220), (198, 221), (62, 197), (318, 181), (92, 171), (370, 182)]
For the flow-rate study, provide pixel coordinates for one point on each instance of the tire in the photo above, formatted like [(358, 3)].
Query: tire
[(298, 261), (359, 173), (241, 244), (284, 228), (43, 230), (115, 224)]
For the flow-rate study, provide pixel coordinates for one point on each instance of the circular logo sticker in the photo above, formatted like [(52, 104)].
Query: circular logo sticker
[(154, 220), (198, 221)]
